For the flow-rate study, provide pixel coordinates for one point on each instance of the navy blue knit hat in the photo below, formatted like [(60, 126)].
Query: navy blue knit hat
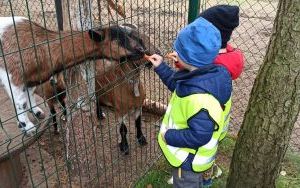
[(198, 43), (225, 18)]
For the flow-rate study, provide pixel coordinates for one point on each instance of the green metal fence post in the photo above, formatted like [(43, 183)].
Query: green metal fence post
[(59, 14), (194, 6)]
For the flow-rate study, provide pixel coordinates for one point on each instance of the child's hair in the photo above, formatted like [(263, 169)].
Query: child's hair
[(223, 17)]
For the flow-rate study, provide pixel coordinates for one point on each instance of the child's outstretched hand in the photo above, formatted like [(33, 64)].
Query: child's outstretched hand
[(155, 59), (173, 56)]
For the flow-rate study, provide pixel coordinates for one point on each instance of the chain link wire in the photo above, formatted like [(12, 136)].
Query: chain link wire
[(86, 152), (252, 37)]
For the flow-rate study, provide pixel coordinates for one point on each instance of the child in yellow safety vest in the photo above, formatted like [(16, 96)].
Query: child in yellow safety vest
[(201, 99), (226, 19)]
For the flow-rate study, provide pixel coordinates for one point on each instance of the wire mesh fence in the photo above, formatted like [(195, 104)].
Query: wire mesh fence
[(252, 37), (87, 150)]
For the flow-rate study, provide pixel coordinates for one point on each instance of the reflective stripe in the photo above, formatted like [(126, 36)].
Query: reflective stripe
[(178, 152), (225, 128), (226, 117), (169, 109), (170, 123), (163, 128), (226, 122), (201, 160), (211, 144), (178, 112), (190, 150), (174, 155)]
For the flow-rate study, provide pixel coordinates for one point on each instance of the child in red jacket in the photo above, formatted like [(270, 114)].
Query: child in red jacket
[(226, 19), (232, 59)]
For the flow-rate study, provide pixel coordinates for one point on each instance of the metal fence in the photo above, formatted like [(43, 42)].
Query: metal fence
[(252, 37), (86, 152)]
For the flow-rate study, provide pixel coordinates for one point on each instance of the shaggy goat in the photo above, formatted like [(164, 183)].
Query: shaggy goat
[(124, 98), (32, 54), (53, 91), (127, 97)]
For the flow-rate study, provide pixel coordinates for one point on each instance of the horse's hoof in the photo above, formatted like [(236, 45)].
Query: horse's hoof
[(142, 141), (102, 116), (63, 118), (124, 148)]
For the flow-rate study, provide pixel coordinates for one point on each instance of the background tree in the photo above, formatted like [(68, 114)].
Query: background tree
[(273, 106)]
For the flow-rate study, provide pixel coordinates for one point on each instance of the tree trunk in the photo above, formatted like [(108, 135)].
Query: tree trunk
[(273, 106)]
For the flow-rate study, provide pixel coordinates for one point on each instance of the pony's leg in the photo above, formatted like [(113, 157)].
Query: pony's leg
[(37, 111), (124, 147), (99, 111), (54, 121), (63, 106), (138, 125)]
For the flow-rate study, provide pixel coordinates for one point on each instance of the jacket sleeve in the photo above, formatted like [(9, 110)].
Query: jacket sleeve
[(166, 73), (199, 133)]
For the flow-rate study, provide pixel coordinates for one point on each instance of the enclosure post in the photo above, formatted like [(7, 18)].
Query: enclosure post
[(194, 6), (59, 15)]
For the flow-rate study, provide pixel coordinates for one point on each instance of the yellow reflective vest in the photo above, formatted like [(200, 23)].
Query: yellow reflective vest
[(179, 110)]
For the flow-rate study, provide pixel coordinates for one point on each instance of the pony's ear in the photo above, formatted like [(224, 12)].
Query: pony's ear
[(97, 35)]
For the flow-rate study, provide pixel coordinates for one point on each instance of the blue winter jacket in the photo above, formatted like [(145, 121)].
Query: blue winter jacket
[(212, 79)]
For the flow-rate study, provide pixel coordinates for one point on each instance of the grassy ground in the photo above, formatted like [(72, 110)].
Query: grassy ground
[(291, 166), (157, 177)]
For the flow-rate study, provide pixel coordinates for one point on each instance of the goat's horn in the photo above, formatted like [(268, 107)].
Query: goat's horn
[(133, 26), (128, 27)]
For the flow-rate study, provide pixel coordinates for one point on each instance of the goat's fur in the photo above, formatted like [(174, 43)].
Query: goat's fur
[(122, 97), (128, 95), (32, 54), (54, 91)]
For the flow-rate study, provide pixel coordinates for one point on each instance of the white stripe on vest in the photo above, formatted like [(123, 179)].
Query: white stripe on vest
[(211, 144), (201, 160), (180, 154)]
